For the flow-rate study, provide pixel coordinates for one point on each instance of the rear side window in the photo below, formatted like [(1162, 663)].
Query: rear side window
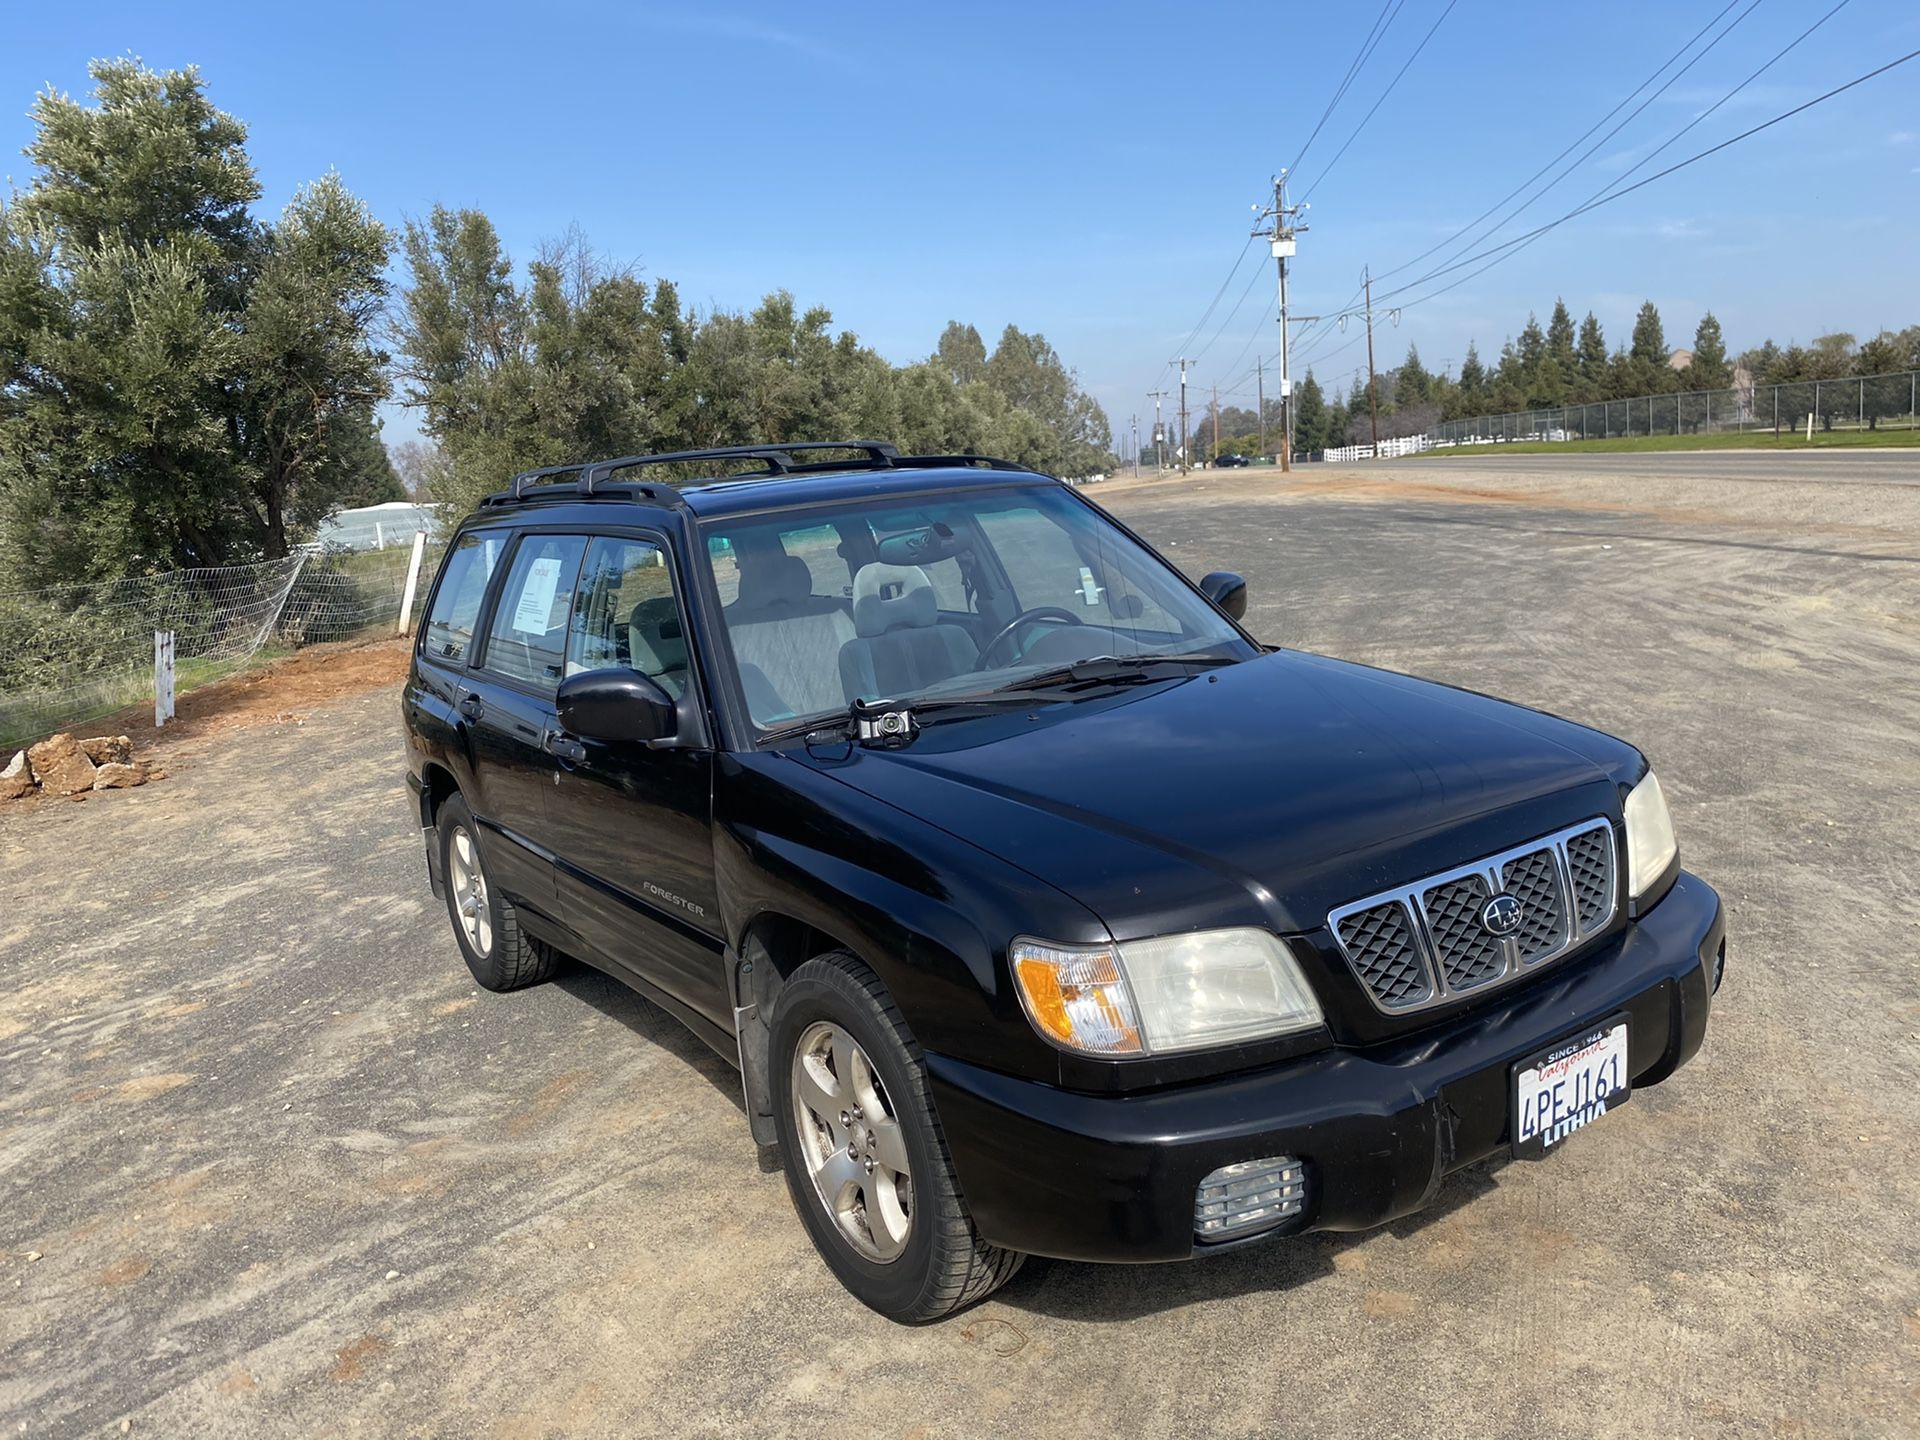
[(456, 604), (528, 639)]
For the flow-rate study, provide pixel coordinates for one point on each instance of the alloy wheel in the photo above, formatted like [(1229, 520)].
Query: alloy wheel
[(468, 885), (851, 1143)]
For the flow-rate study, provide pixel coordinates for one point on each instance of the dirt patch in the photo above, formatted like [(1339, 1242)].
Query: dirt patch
[(350, 1360), (125, 1272), (275, 694)]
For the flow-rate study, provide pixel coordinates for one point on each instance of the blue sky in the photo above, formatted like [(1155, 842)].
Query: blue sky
[(1083, 171)]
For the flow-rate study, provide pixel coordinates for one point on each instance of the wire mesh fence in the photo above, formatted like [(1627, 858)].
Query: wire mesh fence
[(1857, 403), (72, 653)]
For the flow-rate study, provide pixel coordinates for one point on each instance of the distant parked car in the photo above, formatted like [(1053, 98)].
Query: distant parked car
[(1228, 461)]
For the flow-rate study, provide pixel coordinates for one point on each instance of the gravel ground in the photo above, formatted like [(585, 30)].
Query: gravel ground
[(287, 1172)]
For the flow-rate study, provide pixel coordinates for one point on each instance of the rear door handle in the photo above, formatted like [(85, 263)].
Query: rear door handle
[(472, 707), (565, 747)]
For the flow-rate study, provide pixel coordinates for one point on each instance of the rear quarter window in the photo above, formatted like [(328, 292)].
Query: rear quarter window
[(448, 632)]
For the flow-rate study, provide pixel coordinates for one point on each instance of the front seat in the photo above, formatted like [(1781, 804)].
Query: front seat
[(899, 641), (656, 644), (785, 637)]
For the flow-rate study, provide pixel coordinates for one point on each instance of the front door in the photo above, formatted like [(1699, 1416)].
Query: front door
[(631, 826), (508, 709)]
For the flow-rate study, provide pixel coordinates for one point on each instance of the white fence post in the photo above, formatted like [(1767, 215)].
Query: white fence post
[(162, 677), (413, 581)]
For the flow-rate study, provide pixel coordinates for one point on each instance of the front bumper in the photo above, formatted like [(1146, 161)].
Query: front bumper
[(1104, 1177)]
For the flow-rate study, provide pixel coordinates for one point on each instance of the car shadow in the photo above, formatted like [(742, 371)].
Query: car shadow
[(1065, 1290), (651, 1023)]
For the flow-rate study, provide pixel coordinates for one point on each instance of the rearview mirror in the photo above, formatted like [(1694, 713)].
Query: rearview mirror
[(1227, 590), (615, 704)]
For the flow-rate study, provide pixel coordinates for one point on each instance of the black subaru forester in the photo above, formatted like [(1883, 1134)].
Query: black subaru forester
[(1043, 909)]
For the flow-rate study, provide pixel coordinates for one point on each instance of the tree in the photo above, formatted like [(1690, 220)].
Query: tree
[(1473, 383), (1309, 417), (1648, 372), (962, 353), (1412, 385), (1531, 351), (174, 374), (1560, 342), (1709, 370), (1593, 358)]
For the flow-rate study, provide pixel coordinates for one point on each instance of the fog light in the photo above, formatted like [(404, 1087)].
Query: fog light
[(1249, 1196)]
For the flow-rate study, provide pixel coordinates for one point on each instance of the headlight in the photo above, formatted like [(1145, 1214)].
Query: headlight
[(1650, 843), (1161, 996)]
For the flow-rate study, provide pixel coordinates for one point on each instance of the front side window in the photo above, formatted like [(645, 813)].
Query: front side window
[(953, 594), (624, 614), (456, 603), (528, 639)]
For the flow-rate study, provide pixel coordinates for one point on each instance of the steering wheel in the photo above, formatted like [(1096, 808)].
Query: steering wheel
[(1024, 618)]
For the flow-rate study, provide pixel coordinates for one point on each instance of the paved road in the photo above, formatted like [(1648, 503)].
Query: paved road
[(1855, 467), (289, 1174)]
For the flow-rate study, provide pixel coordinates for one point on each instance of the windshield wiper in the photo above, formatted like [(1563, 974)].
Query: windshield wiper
[(871, 722), (1109, 670)]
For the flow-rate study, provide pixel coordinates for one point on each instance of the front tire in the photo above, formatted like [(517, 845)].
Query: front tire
[(485, 924), (866, 1161)]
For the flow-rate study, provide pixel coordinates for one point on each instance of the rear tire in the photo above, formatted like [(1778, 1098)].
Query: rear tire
[(866, 1160), (485, 924)]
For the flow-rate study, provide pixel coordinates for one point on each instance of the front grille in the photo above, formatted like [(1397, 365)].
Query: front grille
[(1534, 880), (1381, 945), (1469, 956), (1426, 943), (1590, 862)]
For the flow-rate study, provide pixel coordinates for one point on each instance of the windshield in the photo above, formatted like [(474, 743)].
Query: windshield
[(903, 600)]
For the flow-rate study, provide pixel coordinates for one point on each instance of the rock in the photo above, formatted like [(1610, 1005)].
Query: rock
[(61, 766), (109, 750), (16, 780), (119, 777)]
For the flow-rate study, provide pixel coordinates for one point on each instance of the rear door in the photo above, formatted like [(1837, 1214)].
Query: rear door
[(631, 825), (509, 711)]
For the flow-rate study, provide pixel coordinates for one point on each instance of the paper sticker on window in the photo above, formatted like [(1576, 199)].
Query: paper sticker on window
[(531, 615)]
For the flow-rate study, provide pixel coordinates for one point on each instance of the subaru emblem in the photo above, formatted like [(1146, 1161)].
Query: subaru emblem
[(1501, 915)]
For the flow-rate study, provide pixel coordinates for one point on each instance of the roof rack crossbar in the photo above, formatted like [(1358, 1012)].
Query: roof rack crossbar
[(774, 461)]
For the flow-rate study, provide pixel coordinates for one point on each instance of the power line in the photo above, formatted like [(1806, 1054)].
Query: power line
[(1382, 100), (1512, 247), (1367, 47), (1475, 222)]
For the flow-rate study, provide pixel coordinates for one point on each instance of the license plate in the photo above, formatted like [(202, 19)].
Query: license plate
[(1568, 1085)]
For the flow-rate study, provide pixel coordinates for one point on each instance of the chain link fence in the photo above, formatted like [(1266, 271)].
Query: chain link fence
[(1860, 402), (73, 653)]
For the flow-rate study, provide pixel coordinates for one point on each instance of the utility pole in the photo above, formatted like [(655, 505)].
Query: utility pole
[(1260, 390), (1133, 422), (1281, 226), (1373, 399), (1182, 363), (1216, 423), (1159, 433)]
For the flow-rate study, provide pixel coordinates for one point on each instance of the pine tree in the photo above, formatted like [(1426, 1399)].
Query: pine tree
[(1709, 370), (1310, 416), (1473, 375), (1593, 356), (1560, 340), (1532, 349), (1412, 385)]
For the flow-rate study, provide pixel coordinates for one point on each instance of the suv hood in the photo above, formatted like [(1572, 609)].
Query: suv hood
[(1267, 792)]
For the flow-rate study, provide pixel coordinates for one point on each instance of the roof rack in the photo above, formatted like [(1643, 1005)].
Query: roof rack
[(595, 476)]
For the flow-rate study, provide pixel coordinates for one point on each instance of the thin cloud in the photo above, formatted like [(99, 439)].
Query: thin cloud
[(1902, 137), (746, 31)]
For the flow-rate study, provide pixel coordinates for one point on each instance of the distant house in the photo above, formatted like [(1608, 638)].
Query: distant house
[(1680, 360), (375, 527)]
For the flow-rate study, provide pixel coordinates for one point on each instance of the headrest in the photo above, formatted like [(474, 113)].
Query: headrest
[(771, 580), (657, 616), (892, 597)]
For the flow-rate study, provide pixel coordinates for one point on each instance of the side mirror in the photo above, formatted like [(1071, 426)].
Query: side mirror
[(615, 704), (1227, 590)]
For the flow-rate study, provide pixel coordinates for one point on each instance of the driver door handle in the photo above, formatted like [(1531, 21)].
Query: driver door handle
[(565, 748), (472, 707)]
